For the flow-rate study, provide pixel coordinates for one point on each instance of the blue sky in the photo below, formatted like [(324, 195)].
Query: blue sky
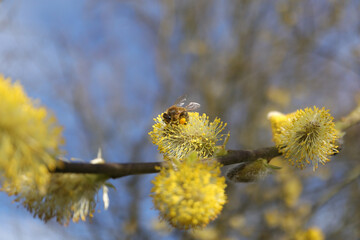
[(29, 53), (43, 44)]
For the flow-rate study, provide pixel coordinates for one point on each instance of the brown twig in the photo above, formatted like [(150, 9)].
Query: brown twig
[(350, 120), (352, 176), (117, 170)]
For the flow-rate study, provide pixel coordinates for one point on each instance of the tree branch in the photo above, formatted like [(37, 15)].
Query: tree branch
[(117, 170), (350, 120)]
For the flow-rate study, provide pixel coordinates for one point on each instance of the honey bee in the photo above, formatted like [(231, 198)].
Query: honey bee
[(177, 114)]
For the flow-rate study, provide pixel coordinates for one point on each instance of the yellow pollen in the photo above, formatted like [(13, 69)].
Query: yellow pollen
[(182, 121)]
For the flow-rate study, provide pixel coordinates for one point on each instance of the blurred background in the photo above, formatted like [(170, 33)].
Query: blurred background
[(107, 68)]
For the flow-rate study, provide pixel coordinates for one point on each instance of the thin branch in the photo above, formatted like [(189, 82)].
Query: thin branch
[(113, 170), (352, 176), (350, 120), (117, 170)]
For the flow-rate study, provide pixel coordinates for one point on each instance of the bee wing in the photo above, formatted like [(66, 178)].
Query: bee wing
[(192, 106), (180, 101)]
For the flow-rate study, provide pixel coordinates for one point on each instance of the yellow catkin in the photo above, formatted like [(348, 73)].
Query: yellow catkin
[(68, 196), (306, 136), (191, 196), (175, 141), (29, 139), (313, 233)]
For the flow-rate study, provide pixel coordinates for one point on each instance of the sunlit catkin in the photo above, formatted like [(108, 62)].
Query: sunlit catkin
[(68, 196), (175, 141), (306, 136), (190, 196), (29, 139)]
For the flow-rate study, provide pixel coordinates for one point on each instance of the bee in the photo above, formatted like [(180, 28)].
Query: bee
[(177, 114)]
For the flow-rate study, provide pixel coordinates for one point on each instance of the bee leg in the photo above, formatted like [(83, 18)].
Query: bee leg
[(184, 118)]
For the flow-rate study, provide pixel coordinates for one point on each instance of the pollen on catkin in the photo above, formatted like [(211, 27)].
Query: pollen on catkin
[(29, 139), (190, 196), (277, 119), (306, 136), (68, 196), (175, 141)]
